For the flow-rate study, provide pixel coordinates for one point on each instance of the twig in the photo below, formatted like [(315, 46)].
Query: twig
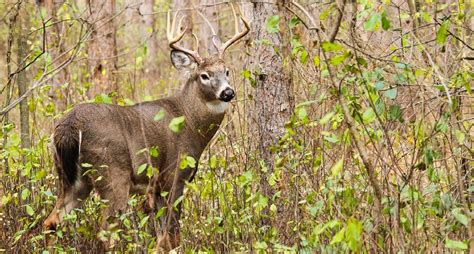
[(340, 12)]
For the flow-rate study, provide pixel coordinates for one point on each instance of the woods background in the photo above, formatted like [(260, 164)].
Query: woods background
[(352, 129)]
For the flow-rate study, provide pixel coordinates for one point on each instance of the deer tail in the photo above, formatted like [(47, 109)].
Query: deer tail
[(67, 141)]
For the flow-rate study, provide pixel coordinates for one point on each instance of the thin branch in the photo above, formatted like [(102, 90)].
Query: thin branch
[(340, 12)]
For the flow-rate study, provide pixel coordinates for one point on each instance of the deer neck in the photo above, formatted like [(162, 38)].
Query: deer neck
[(200, 120)]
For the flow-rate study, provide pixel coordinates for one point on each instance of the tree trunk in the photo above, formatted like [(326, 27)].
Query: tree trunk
[(148, 37), (102, 47), (55, 47), (274, 95), (23, 29)]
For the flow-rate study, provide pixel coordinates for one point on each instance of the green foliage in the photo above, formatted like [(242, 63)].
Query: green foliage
[(177, 124), (159, 115), (320, 197), (273, 24), (442, 33)]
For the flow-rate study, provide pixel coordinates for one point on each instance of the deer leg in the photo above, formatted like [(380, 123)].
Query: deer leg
[(169, 236), (68, 199), (116, 191)]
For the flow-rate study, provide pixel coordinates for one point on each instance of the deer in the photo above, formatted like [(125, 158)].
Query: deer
[(109, 139)]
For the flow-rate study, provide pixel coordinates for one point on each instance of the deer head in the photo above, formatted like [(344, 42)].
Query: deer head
[(209, 76)]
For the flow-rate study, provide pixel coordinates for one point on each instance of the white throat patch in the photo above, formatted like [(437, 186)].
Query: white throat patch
[(217, 106)]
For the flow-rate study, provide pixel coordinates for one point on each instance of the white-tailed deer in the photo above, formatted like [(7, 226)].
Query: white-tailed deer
[(110, 138)]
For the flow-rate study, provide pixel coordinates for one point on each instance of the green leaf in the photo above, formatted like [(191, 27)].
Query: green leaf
[(177, 124), (330, 47), (460, 136), (293, 22), (326, 118), (316, 61), (337, 168), (273, 24), (260, 245), (153, 152), (178, 201), (354, 234), (368, 116), (391, 93), (191, 161), (373, 23), (25, 193), (338, 237), (460, 217), (453, 244), (187, 162), (159, 115), (302, 113), (103, 98), (385, 21), (395, 113), (29, 210), (336, 60), (442, 33), (141, 168), (143, 221), (160, 212), (304, 57), (378, 85)]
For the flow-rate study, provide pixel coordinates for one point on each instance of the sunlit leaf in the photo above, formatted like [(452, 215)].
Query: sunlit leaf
[(373, 23), (337, 168), (442, 33), (338, 237), (177, 124), (391, 93), (159, 115), (273, 24), (457, 245), (369, 115)]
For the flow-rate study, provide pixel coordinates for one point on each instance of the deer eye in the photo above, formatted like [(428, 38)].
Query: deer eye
[(204, 76), (227, 73)]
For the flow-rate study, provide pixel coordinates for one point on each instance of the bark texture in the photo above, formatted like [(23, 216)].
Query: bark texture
[(23, 29), (102, 49), (274, 94), (147, 28), (273, 98)]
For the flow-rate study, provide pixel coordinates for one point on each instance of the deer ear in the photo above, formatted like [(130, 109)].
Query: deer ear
[(182, 61)]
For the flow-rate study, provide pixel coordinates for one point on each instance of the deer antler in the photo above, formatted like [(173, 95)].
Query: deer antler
[(174, 40), (213, 31), (238, 35)]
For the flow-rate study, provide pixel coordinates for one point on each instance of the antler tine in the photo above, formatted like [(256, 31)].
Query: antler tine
[(170, 29), (214, 34), (174, 40), (237, 35)]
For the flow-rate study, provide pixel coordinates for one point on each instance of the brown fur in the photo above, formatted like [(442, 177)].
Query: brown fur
[(109, 137)]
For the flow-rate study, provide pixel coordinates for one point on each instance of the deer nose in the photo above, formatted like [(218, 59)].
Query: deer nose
[(227, 95)]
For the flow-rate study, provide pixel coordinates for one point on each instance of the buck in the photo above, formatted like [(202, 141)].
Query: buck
[(110, 138)]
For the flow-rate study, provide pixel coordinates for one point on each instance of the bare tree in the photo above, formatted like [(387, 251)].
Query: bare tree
[(147, 28), (22, 79), (102, 48)]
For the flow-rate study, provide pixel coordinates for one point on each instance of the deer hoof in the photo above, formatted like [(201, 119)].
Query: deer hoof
[(163, 243), (50, 224)]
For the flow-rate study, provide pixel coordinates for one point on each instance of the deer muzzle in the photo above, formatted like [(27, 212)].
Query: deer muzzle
[(227, 94)]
